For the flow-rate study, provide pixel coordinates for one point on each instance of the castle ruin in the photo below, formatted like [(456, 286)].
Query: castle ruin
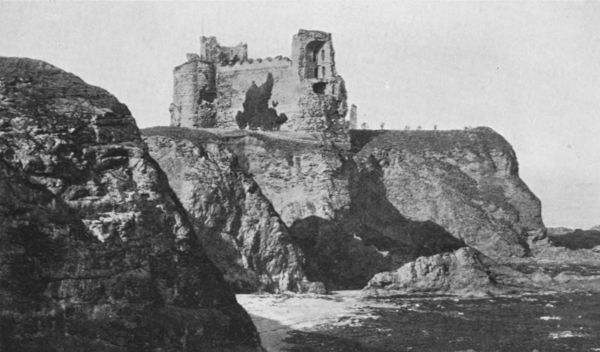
[(222, 88)]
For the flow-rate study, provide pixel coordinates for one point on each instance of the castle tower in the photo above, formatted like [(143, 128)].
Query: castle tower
[(313, 55), (193, 91)]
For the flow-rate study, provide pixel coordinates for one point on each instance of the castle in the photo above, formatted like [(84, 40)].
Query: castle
[(222, 88)]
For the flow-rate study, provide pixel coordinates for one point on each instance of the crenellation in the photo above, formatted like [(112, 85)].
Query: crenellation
[(251, 64), (222, 87)]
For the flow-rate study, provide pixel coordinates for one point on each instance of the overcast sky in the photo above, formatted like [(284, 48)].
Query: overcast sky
[(529, 70)]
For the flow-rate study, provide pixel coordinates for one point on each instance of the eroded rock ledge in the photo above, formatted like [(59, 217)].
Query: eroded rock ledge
[(465, 272)]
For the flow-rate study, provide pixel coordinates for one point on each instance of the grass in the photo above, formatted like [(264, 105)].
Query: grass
[(288, 142), (483, 138)]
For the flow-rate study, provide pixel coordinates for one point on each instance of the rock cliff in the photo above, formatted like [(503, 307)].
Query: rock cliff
[(465, 181), (96, 252), (383, 200), (337, 214), (243, 234)]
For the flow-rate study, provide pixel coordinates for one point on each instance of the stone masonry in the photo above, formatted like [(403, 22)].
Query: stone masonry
[(221, 87)]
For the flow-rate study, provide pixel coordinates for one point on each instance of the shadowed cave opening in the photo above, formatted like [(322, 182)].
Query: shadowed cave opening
[(257, 114), (346, 251)]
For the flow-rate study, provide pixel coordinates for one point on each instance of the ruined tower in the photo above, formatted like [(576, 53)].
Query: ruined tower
[(222, 87), (313, 56)]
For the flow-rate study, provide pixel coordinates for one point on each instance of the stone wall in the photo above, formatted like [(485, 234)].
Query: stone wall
[(234, 81), (193, 94)]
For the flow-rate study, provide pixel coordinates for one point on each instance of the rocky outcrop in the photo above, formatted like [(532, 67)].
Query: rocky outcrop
[(379, 202), (336, 214), (465, 181), (567, 246), (464, 272), (96, 252), (468, 272), (243, 234), (576, 239)]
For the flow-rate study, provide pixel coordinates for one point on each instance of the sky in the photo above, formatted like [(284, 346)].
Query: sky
[(530, 70)]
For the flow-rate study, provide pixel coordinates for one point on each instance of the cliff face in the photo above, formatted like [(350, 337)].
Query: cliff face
[(307, 183), (388, 198), (337, 214), (465, 181), (96, 252), (241, 231)]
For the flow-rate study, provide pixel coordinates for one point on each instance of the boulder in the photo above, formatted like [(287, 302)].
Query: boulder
[(464, 272)]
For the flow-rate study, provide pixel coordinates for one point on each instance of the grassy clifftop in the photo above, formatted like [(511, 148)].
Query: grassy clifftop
[(284, 141), (480, 138)]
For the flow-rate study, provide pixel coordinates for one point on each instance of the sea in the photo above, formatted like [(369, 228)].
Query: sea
[(549, 322)]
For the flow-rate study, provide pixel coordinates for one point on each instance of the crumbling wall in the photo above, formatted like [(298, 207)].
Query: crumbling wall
[(194, 93), (212, 51), (307, 108), (259, 112), (321, 111), (303, 63), (233, 82), (185, 94)]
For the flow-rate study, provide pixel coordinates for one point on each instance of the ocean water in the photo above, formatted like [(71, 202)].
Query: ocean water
[(566, 322)]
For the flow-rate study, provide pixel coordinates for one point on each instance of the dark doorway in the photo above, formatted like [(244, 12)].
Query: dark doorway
[(319, 87)]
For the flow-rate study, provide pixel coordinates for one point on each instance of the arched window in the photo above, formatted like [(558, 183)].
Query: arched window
[(323, 71), (316, 72), (322, 54)]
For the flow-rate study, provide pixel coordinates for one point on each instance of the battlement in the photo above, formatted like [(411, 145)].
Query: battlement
[(256, 64), (246, 64), (222, 87)]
